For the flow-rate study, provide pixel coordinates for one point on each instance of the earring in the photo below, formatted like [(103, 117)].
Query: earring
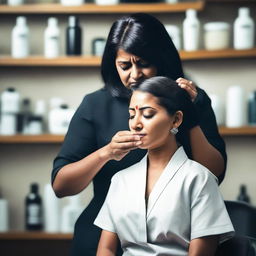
[(174, 130)]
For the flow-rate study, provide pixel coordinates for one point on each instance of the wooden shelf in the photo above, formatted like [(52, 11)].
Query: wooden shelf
[(103, 9), (31, 139), (34, 235), (54, 139), (92, 61)]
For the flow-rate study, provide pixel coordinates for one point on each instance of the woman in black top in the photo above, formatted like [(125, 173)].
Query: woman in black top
[(99, 144)]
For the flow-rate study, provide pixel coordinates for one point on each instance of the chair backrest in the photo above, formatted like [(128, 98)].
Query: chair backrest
[(243, 217)]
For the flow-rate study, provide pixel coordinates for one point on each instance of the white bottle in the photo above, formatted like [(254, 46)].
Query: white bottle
[(191, 31), (15, 2), (59, 119), (235, 107), (70, 214), (20, 38), (4, 215), (174, 33), (52, 39), (51, 210), (243, 30), (72, 2), (10, 106), (218, 108), (106, 2)]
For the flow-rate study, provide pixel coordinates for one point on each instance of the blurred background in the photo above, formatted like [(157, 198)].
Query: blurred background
[(42, 83)]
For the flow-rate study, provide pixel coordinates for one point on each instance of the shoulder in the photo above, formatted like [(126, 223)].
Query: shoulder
[(101, 94)]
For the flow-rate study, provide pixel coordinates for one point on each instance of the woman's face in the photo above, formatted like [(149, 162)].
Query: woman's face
[(150, 121), (132, 69)]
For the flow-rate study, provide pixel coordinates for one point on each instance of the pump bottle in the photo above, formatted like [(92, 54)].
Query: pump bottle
[(20, 38), (73, 37), (191, 31), (243, 30), (52, 39), (33, 209)]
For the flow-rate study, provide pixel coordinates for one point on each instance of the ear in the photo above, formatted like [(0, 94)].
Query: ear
[(177, 119)]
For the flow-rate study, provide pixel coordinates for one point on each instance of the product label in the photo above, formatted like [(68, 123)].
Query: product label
[(34, 214)]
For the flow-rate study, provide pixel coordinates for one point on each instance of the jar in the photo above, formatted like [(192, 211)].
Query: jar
[(98, 46), (216, 35)]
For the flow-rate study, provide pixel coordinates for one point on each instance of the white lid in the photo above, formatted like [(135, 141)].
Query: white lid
[(218, 25), (172, 29), (40, 107), (191, 13), (56, 102), (243, 11), (52, 22), (21, 20)]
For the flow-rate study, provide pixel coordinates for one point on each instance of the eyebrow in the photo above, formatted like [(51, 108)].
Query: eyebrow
[(142, 108)]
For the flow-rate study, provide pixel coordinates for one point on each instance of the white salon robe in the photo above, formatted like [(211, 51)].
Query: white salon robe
[(185, 203)]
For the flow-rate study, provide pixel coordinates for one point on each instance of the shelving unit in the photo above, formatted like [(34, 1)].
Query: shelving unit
[(100, 9)]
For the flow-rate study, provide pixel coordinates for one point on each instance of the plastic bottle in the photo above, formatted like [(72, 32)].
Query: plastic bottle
[(33, 209), (235, 107), (252, 109), (4, 214), (70, 213), (20, 38), (52, 39), (191, 31), (10, 106), (218, 108), (59, 119), (73, 37), (174, 33), (24, 116), (51, 210), (243, 196), (15, 2), (243, 30)]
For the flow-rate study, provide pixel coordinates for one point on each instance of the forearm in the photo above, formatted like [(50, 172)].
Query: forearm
[(73, 178), (204, 246), (105, 252), (204, 153)]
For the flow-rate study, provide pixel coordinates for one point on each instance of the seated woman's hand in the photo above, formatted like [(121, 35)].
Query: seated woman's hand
[(189, 86), (122, 143)]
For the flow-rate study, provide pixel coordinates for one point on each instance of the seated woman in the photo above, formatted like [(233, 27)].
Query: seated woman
[(166, 204)]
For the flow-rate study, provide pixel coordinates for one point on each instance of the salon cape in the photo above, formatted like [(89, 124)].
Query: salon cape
[(185, 204)]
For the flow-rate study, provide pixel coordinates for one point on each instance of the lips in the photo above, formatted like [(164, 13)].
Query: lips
[(141, 134)]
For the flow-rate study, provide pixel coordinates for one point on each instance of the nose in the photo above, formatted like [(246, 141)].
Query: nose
[(136, 125), (136, 73)]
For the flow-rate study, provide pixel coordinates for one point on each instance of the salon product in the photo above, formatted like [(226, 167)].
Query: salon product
[(252, 108), (15, 2), (20, 38), (106, 2), (191, 31), (218, 108), (10, 100), (24, 115), (73, 37), (59, 119), (174, 33), (51, 210), (4, 214), (52, 39), (243, 196), (33, 209), (243, 30), (35, 125), (216, 35), (72, 2), (70, 213), (98, 46), (235, 107), (171, 1)]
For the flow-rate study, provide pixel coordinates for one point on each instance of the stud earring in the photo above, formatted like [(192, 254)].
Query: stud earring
[(174, 130)]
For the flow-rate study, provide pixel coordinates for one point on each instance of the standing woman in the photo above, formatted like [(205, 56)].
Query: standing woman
[(98, 143)]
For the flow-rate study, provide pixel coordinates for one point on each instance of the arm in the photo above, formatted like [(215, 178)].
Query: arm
[(203, 246), (107, 244)]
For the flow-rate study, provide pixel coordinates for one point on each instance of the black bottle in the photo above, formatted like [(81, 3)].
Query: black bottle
[(252, 109), (23, 116), (33, 209), (73, 37), (243, 196)]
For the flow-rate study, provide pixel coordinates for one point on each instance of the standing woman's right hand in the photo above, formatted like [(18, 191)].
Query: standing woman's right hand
[(122, 143)]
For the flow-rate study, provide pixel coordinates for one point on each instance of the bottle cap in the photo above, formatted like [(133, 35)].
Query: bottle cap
[(52, 22), (243, 11), (10, 89), (191, 13), (21, 21), (64, 106), (216, 26), (34, 187), (73, 21)]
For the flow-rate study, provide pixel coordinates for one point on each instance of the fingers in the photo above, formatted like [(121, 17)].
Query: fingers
[(189, 86)]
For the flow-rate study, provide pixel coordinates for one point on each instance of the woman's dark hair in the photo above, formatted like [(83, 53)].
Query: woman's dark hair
[(173, 98), (145, 36)]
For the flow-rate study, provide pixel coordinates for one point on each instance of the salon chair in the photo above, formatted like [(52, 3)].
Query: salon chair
[(243, 217)]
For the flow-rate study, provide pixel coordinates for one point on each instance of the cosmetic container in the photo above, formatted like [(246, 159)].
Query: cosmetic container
[(4, 214), (72, 2), (15, 2), (106, 2), (98, 46), (218, 108), (252, 108), (174, 33)]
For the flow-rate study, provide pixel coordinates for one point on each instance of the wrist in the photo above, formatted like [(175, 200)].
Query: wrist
[(104, 154)]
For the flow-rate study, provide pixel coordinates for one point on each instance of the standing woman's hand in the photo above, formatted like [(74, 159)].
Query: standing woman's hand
[(188, 86), (121, 144)]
